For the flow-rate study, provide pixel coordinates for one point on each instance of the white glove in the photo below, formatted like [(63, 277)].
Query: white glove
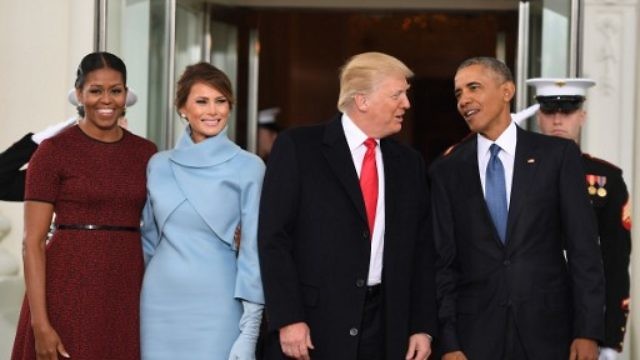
[(52, 130), (522, 115), (607, 354), (244, 348)]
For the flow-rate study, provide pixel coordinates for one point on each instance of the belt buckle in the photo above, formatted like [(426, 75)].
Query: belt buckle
[(91, 227)]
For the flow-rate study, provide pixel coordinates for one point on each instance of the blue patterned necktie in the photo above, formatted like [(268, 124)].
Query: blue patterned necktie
[(496, 192)]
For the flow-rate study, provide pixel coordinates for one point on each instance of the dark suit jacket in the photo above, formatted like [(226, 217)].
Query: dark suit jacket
[(480, 280), (314, 243), (11, 160)]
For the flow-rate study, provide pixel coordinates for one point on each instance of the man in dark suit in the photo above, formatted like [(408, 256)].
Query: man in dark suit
[(506, 203), (345, 250), (561, 114)]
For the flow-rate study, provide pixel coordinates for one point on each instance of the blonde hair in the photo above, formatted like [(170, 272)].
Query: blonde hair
[(362, 72)]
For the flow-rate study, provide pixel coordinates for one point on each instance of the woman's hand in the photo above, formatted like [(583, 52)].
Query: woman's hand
[(48, 344)]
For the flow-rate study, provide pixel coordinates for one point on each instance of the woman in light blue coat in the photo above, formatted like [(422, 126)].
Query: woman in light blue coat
[(202, 293)]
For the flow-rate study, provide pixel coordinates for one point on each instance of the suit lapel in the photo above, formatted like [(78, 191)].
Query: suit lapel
[(524, 168), (338, 155), (470, 174)]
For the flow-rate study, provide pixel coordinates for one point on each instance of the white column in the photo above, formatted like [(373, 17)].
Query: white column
[(610, 57)]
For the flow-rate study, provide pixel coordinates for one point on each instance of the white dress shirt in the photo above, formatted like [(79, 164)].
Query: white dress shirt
[(507, 142), (355, 140)]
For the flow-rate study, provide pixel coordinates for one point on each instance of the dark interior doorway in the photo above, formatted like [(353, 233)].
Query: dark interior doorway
[(302, 50)]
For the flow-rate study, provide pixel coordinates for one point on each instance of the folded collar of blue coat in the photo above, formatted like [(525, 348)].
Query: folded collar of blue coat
[(212, 151)]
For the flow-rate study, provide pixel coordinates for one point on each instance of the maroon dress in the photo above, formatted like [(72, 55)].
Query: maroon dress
[(93, 277)]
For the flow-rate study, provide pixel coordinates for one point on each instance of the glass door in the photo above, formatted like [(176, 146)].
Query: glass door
[(158, 39), (548, 44)]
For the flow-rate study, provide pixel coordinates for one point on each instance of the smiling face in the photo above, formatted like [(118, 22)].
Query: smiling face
[(382, 110), (103, 97), (206, 110), (483, 100)]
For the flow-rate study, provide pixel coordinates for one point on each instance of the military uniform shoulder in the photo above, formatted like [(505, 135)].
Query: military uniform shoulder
[(450, 153), (596, 164), (451, 150)]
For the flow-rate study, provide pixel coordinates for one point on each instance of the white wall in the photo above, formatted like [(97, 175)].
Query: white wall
[(42, 43), (611, 57)]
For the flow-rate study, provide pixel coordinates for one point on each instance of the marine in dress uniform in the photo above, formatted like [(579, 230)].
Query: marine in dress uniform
[(561, 114)]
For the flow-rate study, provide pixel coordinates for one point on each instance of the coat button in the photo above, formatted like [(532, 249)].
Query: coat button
[(360, 283), (506, 262), (365, 234), (353, 332)]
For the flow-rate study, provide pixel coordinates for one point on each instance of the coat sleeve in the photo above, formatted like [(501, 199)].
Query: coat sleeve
[(446, 272), (278, 208), (248, 280), (583, 253), (12, 179), (149, 230)]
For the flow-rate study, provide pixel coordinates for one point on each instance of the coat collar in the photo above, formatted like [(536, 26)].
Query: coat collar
[(338, 155), (524, 167), (212, 151)]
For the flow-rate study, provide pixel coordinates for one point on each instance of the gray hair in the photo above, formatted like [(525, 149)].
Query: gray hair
[(495, 65)]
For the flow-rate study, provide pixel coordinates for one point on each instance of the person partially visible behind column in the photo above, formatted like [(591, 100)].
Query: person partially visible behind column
[(12, 175), (561, 114), (268, 131), (345, 251)]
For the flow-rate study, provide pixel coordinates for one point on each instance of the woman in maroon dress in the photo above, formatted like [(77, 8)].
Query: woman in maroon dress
[(83, 300)]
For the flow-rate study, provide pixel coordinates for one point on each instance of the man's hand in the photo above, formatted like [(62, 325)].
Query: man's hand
[(419, 347), (454, 355), (583, 349), (295, 341)]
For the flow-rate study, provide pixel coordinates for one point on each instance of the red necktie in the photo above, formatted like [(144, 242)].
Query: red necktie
[(369, 182)]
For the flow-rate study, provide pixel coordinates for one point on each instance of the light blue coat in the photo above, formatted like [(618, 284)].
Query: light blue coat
[(195, 276)]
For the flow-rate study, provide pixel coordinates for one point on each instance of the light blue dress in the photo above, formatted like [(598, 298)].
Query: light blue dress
[(195, 277)]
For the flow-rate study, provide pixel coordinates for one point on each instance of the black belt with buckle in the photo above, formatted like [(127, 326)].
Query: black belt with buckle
[(95, 227)]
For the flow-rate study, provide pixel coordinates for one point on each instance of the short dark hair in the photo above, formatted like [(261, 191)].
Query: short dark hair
[(497, 66), (99, 60), (205, 73)]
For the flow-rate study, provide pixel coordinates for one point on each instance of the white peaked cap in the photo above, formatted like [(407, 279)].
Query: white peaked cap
[(268, 116), (561, 87), (132, 98)]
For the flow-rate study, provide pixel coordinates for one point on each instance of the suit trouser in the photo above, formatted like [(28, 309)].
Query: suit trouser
[(371, 344), (513, 348)]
